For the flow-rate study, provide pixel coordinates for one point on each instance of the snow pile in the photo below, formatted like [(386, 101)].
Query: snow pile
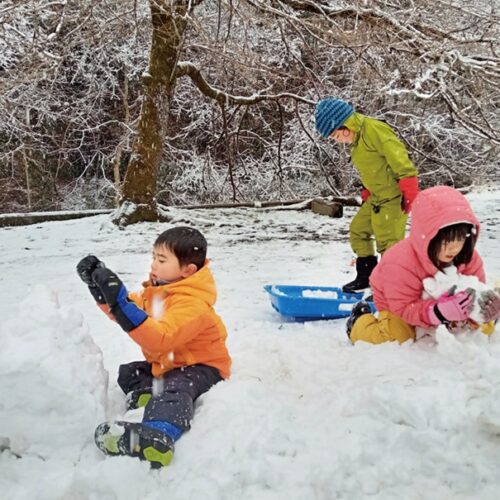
[(52, 371)]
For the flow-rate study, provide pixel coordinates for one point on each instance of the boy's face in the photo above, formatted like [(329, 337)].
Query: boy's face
[(165, 266)]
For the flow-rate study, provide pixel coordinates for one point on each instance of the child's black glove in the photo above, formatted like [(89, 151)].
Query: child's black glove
[(109, 284), (85, 268), (127, 314)]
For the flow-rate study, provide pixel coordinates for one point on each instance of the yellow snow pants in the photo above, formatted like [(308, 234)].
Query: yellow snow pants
[(386, 328), (383, 222)]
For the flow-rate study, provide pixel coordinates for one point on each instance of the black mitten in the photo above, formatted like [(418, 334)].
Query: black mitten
[(85, 268), (109, 283)]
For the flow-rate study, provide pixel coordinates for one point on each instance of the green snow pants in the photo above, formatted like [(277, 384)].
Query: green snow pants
[(382, 222)]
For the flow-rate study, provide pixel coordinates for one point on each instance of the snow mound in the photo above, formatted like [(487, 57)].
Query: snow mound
[(49, 348)]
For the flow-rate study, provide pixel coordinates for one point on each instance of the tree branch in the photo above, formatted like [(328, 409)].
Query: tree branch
[(189, 69)]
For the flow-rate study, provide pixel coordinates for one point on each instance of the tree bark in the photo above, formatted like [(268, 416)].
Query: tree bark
[(169, 21)]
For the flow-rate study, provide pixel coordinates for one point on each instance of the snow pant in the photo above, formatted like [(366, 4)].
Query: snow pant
[(386, 328), (383, 221), (173, 394)]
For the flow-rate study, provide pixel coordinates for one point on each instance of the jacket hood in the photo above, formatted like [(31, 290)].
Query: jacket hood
[(201, 285), (354, 122), (433, 209)]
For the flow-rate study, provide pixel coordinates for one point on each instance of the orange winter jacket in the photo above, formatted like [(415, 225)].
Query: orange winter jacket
[(182, 327)]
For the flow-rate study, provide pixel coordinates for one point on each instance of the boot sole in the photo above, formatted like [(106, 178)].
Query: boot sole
[(356, 290)]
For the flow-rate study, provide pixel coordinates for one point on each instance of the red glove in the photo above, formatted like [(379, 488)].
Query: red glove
[(409, 190), (365, 194)]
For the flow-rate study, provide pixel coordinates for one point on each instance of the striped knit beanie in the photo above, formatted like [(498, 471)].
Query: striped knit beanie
[(331, 114)]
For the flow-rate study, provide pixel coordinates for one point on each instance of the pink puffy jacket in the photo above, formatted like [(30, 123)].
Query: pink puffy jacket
[(397, 280)]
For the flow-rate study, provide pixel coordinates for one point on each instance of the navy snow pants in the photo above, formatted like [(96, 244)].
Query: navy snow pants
[(174, 392)]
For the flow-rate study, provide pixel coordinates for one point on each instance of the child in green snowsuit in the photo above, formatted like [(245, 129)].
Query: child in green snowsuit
[(388, 176)]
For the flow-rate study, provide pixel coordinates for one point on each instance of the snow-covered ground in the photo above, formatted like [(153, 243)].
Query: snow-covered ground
[(305, 415)]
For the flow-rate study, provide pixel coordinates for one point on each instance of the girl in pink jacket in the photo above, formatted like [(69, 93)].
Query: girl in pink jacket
[(443, 232)]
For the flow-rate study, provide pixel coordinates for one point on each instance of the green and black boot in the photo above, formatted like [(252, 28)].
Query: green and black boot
[(135, 440)]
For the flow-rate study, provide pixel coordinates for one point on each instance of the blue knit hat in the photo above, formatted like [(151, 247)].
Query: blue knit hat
[(331, 114)]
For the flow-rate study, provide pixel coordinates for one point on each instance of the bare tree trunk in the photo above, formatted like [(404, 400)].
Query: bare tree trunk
[(27, 175), (119, 149), (138, 202), (116, 173)]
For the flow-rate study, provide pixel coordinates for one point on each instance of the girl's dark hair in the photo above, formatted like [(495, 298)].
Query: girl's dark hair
[(461, 231), (186, 243)]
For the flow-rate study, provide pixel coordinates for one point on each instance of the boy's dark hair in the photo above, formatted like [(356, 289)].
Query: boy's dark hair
[(186, 243), (460, 231)]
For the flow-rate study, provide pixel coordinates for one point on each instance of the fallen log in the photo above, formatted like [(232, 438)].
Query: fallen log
[(346, 201), (19, 219), (25, 219)]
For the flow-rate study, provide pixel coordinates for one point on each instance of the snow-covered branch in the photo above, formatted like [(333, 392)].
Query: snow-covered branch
[(189, 69)]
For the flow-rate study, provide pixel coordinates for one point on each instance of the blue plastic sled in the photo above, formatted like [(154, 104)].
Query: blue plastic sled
[(312, 302)]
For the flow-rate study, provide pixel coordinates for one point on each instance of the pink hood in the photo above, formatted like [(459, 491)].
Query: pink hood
[(433, 209), (397, 280)]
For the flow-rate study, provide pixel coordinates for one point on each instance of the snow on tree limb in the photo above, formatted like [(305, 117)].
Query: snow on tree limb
[(189, 69)]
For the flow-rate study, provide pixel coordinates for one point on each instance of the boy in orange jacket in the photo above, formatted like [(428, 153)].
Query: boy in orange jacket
[(182, 338)]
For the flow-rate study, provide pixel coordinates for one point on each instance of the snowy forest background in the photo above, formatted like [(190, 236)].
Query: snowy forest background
[(237, 120)]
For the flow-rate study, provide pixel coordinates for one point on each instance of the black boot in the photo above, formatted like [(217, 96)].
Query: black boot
[(364, 267), (358, 310)]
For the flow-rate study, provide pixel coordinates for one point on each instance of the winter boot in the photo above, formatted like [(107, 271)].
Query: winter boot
[(135, 440), (364, 267), (358, 310), (137, 399)]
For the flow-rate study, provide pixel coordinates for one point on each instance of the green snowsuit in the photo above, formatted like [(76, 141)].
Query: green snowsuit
[(381, 160)]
